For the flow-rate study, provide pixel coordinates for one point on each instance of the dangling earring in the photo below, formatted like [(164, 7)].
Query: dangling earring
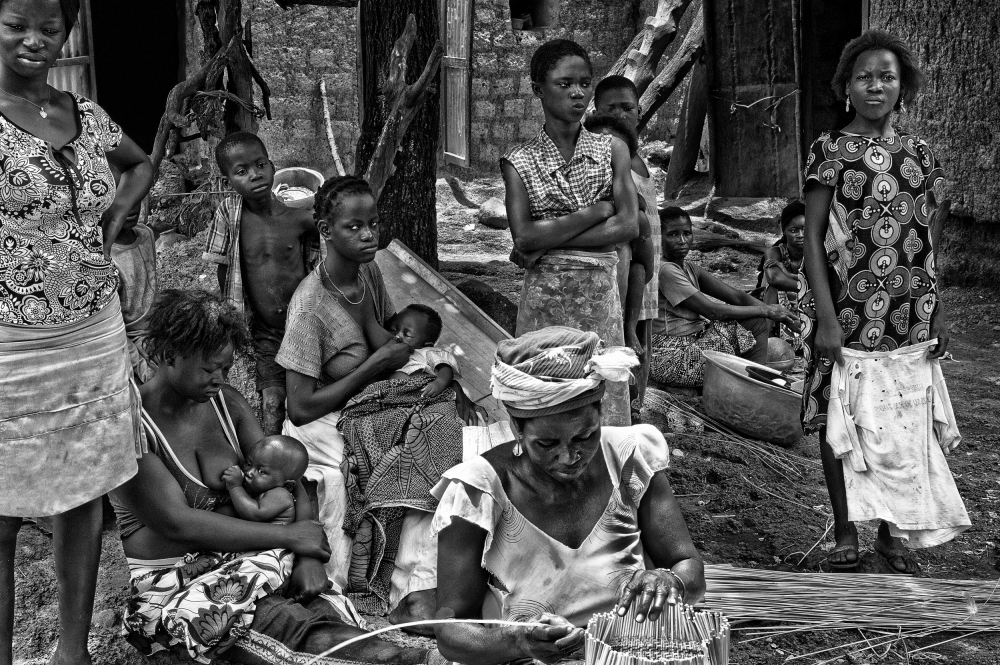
[(902, 106), (847, 104), (517, 448)]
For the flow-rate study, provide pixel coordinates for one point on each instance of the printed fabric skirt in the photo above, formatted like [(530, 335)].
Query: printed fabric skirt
[(579, 290), (678, 361), (69, 414)]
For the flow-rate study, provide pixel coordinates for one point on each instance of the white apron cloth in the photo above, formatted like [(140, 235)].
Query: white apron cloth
[(890, 421)]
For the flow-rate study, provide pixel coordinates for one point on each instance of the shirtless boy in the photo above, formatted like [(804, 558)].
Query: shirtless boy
[(263, 249)]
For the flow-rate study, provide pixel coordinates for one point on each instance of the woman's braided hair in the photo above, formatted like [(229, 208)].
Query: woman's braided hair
[(183, 323), (328, 196)]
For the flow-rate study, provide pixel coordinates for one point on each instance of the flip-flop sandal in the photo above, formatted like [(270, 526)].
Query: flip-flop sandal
[(847, 565), (901, 553)]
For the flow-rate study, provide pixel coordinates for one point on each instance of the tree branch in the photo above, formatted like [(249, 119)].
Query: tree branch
[(404, 101), (640, 59), (674, 71), (288, 4)]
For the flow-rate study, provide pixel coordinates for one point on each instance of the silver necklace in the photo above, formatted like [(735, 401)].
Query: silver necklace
[(41, 109), (364, 287)]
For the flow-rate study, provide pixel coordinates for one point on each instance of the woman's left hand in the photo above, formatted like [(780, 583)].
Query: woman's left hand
[(111, 225), (650, 590), (939, 329), (308, 580), (470, 413)]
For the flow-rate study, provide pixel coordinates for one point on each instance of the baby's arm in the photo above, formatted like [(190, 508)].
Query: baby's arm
[(264, 508), (777, 276), (445, 374)]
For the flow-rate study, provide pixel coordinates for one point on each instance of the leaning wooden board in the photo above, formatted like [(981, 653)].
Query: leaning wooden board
[(471, 334)]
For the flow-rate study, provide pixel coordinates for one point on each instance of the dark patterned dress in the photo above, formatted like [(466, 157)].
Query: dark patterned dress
[(880, 260)]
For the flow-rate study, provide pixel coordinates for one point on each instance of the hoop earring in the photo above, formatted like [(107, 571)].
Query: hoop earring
[(517, 448)]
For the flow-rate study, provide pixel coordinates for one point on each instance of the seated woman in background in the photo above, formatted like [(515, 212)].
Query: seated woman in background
[(699, 312), (778, 274), (558, 525), (202, 581)]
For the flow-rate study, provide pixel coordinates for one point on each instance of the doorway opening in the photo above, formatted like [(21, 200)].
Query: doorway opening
[(138, 59)]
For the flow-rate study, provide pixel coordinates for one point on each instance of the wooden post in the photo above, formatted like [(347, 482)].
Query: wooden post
[(673, 72), (238, 117), (689, 128), (640, 59)]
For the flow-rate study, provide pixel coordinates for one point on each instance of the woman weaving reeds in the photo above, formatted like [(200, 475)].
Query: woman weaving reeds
[(559, 525)]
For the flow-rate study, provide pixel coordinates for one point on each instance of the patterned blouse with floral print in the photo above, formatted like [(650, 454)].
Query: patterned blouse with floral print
[(52, 265)]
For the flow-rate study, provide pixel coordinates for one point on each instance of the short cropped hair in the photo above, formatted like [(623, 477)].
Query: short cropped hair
[(673, 214), (790, 212), (70, 10), (547, 57), (911, 78), (183, 323), (233, 141), (615, 82), (599, 121), (434, 323)]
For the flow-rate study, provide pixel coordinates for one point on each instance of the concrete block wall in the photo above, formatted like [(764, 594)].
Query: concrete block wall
[(295, 49)]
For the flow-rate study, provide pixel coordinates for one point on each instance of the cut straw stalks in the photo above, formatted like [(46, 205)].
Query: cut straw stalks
[(775, 458), (681, 636), (896, 604)]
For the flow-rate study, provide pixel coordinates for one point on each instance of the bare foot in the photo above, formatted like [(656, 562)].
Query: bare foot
[(416, 606), (894, 552), (845, 553)]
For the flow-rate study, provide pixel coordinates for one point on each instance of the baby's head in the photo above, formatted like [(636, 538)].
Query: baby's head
[(243, 162), (417, 325), (618, 96), (275, 461), (615, 125), (793, 224)]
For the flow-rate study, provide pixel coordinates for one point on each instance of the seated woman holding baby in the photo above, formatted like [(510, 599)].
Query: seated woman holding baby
[(569, 520), (699, 312), (377, 445), (204, 582)]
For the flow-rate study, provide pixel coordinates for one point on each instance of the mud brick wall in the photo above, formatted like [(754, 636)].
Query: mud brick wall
[(295, 49), (504, 111)]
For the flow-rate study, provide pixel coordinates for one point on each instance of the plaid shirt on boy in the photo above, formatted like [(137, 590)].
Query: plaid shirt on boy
[(557, 187)]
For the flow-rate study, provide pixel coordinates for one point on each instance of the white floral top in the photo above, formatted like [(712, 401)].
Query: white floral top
[(52, 265)]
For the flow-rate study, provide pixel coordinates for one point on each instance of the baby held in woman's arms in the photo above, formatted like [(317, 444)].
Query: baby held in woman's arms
[(263, 493), (419, 326)]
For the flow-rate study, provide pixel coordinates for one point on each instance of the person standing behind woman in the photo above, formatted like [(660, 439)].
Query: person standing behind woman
[(68, 416), (868, 255), (570, 202)]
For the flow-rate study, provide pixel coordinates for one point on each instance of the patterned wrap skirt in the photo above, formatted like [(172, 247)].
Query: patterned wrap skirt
[(69, 414), (677, 360), (579, 290)]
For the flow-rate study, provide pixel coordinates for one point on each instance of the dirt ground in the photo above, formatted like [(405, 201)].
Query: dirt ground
[(721, 489)]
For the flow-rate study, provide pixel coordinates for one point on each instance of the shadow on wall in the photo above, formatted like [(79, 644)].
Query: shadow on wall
[(970, 252)]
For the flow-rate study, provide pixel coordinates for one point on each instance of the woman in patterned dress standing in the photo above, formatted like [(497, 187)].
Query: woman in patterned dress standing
[(68, 415), (868, 255)]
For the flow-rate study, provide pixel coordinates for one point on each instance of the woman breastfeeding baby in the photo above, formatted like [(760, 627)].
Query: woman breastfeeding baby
[(202, 582)]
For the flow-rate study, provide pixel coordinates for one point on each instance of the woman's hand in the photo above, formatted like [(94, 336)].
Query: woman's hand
[(468, 411), (391, 356), (307, 539), (782, 315), (558, 640), (111, 225), (308, 580), (829, 341), (233, 477), (650, 590), (939, 329)]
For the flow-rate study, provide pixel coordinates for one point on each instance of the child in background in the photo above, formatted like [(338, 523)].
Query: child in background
[(778, 273), (264, 492), (640, 268), (618, 96), (263, 249), (134, 253)]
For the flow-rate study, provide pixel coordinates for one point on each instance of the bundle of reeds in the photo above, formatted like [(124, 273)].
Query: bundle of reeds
[(681, 636)]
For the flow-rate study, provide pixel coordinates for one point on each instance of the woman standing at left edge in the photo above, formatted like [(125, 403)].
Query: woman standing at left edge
[(68, 413)]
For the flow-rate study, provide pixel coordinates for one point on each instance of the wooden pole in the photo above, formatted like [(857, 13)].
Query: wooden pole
[(329, 129), (687, 144), (674, 71)]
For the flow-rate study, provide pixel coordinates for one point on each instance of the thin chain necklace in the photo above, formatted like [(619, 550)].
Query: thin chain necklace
[(364, 287), (41, 109)]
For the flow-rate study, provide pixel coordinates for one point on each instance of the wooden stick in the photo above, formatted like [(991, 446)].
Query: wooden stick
[(329, 129), (674, 71)]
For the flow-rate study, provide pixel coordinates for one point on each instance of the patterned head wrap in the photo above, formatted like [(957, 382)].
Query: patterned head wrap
[(554, 370)]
